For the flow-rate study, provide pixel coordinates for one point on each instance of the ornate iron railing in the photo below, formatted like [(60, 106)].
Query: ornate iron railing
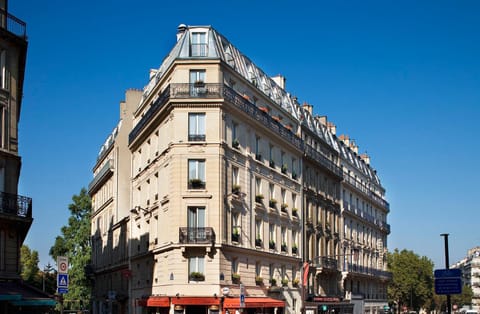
[(203, 235), (325, 262), (15, 204), (322, 160)]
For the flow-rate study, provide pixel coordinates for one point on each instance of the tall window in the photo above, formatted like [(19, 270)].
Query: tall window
[(196, 264), (258, 230), (199, 44), (196, 173), (236, 227), (258, 153), (258, 269), (3, 70), (235, 180), (196, 126), (271, 231), (196, 224), (258, 186), (235, 142)]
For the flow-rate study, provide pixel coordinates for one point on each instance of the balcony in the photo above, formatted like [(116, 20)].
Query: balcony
[(325, 263), (204, 235), (367, 191), (313, 154), (101, 176), (17, 205), (13, 24)]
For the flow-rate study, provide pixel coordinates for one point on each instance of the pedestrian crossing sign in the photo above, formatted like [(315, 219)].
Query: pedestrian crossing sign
[(62, 280)]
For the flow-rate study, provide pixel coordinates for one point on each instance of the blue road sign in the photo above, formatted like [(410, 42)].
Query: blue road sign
[(448, 285), (62, 280), (442, 273), (62, 290)]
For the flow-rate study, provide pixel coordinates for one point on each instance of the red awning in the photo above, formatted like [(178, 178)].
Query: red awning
[(195, 300), (155, 301), (252, 302)]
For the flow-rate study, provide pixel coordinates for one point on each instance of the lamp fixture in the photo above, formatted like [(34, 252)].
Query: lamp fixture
[(136, 210)]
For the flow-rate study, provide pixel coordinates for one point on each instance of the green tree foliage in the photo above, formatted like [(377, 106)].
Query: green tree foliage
[(412, 284), (460, 300), (29, 266), (75, 244)]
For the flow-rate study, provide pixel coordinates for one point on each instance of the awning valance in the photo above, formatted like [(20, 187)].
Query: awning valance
[(256, 302), (195, 300), (156, 301)]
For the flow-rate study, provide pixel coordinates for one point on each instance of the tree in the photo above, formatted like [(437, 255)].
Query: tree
[(29, 266), (463, 299), (412, 284), (74, 243)]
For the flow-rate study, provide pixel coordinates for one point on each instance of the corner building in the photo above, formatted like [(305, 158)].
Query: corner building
[(225, 186)]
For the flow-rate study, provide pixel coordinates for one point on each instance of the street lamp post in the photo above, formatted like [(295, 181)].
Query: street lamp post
[(48, 268)]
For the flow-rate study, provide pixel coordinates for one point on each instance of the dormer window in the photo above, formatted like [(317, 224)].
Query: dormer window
[(199, 47)]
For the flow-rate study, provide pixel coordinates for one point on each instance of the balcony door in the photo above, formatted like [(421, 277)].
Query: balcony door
[(196, 224)]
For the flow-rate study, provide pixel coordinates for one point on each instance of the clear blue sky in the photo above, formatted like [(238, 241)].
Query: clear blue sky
[(402, 78)]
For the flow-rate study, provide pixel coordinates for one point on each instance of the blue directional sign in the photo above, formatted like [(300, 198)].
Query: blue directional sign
[(448, 281), (62, 290)]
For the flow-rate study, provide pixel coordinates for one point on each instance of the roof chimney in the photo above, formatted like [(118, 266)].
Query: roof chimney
[(345, 139), (353, 146), (322, 120), (280, 80), (332, 128), (180, 30), (307, 107), (153, 72), (365, 158)]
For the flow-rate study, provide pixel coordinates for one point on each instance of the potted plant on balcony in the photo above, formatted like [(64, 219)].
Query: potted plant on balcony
[(272, 203), (295, 212), (283, 247), (284, 168), (259, 198), (258, 280), (295, 282), (294, 176), (284, 282), (258, 240), (235, 143), (196, 183), (273, 281), (263, 109), (272, 163), (271, 245), (199, 83), (236, 189), (284, 207), (236, 278), (235, 234), (197, 276), (294, 248)]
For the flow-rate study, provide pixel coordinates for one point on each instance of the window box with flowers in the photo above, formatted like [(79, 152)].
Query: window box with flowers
[(284, 207), (199, 84), (273, 281), (271, 245), (258, 241), (196, 184), (271, 163), (294, 176), (284, 169), (284, 282), (263, 109), (236, 278), (258, 280), (259, 198), (283, 247), (276, 118), (258, 157), (197, 276), (272, 203), (235, 143)]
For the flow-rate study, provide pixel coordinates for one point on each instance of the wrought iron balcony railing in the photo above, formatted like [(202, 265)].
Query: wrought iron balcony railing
[(16, 205), (325, 262), (204, 235), (366, 190), (322, 160), (13, 24)]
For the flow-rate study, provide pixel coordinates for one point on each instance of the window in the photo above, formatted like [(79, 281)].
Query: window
[(199, 44), (258, 269), (236, 227), (196, 174), (270, 156), (258, 154), (235, 179), (196, 224), (3, 70), (258, 231), (258, 186), (284, 239), (235, 142), (271, 231), (196, 265), (196, 126)]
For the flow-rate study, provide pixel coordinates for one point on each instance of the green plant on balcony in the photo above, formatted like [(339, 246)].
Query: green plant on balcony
[(284, 168), (235, 143), (294, 175), (271, 245), (294, 248), (235, 277), (284, 207), (283, 247), (272, 163), (235, 234), (197, 276), (284, 282), (236, 189), (258, 280), (258, 241), (259, 198), (273, 281), (295, 212), (199, 83), (272, 203), (258, 157), (295, 282), (196, 183)]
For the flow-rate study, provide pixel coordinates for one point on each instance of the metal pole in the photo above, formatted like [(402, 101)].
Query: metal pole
[(447, 263)]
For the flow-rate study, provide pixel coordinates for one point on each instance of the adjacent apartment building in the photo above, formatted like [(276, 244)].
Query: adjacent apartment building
[(470, 267), (15, 210), (219, 192)]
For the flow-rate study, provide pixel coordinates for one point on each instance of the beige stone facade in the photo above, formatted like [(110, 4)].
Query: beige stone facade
[(232, 186)]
